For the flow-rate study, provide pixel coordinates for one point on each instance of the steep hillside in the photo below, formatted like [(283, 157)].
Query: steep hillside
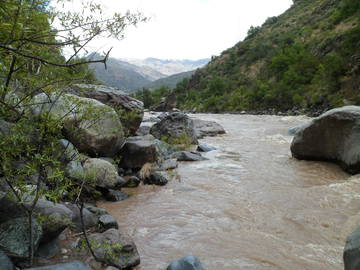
[(170, 81), (307, 58)]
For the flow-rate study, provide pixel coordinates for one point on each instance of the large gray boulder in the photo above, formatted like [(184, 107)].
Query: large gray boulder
[(131, 110), (137, 151), (94, 128), (90, 219), (205, 128), (15, 238), (187, 156), (352, 251), (115, 248), (333, 136), (56, 218), (174, 126), (186, 263), (76, 265), (103, 173)]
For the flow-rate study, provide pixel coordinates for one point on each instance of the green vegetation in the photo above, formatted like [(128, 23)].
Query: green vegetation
[(182, 142), (32, 62), (151, 97), (307, 58)]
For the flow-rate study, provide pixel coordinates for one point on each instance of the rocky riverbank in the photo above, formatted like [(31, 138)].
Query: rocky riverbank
[(99, 155)]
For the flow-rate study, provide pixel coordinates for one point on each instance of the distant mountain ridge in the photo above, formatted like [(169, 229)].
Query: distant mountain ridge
[(132, 74)]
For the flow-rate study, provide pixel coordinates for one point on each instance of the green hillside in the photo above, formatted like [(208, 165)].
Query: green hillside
[(307, 58)]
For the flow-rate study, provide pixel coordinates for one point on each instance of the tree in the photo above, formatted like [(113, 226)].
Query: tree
[(32, 62)]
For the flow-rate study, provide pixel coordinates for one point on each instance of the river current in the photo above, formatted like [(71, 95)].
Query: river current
[(250, 206)]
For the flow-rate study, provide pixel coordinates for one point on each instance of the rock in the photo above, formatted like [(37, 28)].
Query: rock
[(293, 130), (103, 172), (5, 128), (164, 150), (187, 156), (5, 262), (57, 217), (175, 126), (168, 164), (352, 251), (186, 263), (48, 250), (333, 136), (137, 151), (15, 239), (205, 148), (115, 248), (207, 128), (90, 219), (107, 222), (69, 152), (131, 181), (96, 210), (76, 265), (116, 195), (132, 109), (143, 130), (94, 128), (156, 178), (111, 268), (75, 170)]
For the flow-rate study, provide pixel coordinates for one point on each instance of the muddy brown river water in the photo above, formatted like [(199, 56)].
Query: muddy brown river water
[(250, 206)]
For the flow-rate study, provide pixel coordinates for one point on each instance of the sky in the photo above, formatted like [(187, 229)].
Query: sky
[(187, 29)]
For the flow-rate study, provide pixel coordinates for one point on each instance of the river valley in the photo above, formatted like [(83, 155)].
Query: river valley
[(250, 206)]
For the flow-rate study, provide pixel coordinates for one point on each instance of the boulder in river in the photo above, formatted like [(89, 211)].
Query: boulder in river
[(131, 110), (175, 126), (186, 263), (333, 136), (94, 128), (352, 251), (115, 248), (187, 156), (205, 128)]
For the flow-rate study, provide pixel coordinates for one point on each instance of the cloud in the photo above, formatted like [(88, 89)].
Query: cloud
[(190, 29)]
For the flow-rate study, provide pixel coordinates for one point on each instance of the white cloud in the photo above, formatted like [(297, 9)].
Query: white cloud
[(188, 28)]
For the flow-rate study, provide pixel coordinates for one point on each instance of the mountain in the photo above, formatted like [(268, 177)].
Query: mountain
[(169, 66), (307, 59), (132, 74), (169, 81)]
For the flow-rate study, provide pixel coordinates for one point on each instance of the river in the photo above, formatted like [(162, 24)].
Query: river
[(250, 206)]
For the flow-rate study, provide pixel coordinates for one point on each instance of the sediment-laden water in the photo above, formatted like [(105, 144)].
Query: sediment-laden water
[(251, 206)]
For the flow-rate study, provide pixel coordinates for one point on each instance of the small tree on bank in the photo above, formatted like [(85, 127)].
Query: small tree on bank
[(32, 62)]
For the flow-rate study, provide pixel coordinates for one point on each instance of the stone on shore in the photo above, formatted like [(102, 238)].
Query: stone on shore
[(205, 148), (333, 136), (76, 265), (94, 128), (186, 263), (175, 126), (115, 248), (132, 110), (5, 262), (137, 151), (15, 239), (103, 173), (205, 128)]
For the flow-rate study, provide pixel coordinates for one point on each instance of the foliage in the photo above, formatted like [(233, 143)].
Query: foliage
[(303, 59), (32, 62), (152, 97)]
